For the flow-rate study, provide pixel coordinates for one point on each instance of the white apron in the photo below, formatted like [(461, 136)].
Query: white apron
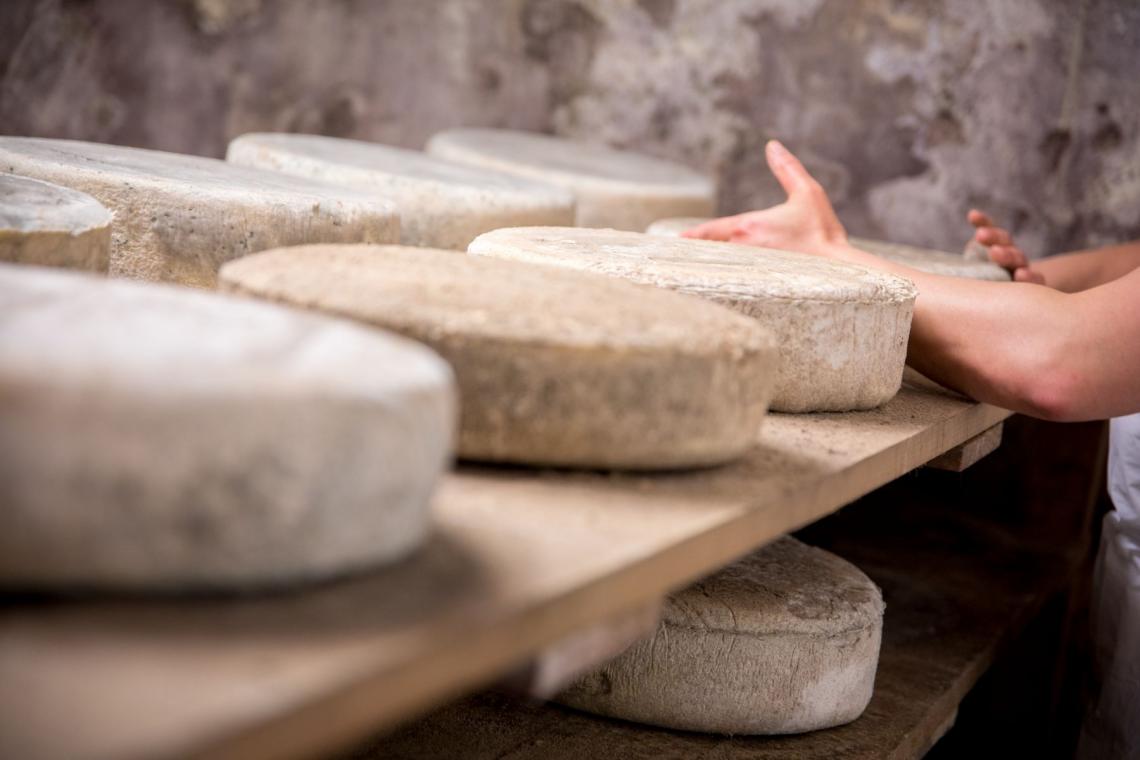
[(1112, 728)]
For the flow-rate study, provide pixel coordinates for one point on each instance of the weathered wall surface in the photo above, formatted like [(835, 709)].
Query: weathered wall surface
[(908, 111)]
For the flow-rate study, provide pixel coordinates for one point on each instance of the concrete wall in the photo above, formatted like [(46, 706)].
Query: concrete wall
[(909, 111)]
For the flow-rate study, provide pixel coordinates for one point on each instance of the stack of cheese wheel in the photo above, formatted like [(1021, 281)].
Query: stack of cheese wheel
[(842, 329), (783, 641), (161, 438), (178, 218), (441, 204), (923, 259), (554, 367), (613, 188), (49, 225)]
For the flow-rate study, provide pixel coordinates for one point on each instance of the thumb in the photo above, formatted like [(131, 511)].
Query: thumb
[(792, 175)]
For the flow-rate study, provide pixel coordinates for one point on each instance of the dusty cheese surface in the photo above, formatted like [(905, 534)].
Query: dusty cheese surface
[(441, 204), (784, 641), (177, 218), (50, 225), (160, 438), (923, 259), (841, 329), (613, 188), (554, 367)]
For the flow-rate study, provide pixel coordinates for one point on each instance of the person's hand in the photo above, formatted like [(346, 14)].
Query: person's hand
[(1002, 251), (805, 222)]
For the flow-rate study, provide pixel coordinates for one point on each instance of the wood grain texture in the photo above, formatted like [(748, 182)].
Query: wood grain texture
[(969, 453), (518, 559)]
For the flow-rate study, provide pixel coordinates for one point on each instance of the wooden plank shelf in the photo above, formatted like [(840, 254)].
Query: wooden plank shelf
[(518, 560), (957, 593)]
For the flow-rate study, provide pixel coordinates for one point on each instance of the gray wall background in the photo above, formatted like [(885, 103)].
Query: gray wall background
[(908, 111)]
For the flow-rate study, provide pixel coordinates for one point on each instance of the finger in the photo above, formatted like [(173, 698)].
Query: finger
[(714, 229), (979, 218), (1025, 274), (993, 236), (1009, 256), (790, 173)]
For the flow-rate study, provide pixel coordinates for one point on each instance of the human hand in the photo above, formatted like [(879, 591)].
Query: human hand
[(806, 222), (1002, 251)]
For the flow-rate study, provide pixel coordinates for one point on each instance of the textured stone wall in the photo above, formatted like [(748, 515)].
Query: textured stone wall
[(909, 111)]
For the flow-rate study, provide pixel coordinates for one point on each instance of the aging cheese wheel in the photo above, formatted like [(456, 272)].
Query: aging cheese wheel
[(842, 330), (924, 259), (935, 262), (441, 204), (554, 367), (177, 218), (52, 226), (160, 438), (614, 188), (783, 641)]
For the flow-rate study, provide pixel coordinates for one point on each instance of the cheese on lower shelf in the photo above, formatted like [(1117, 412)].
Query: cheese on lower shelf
[(178, 217), (923, 259), (441, 204), (53, 226), (554, 367), (784, 641), (841, 329), (614, 188), (165, 439)]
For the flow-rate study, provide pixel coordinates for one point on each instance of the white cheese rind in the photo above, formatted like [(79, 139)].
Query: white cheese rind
[(923, 259), (52, 226), (178, 218), (554, 367), (614, 188), (841, 329), (784, 641), (160, 438), (441, 204)]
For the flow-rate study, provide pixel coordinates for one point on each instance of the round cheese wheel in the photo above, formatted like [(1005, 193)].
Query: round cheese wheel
[(53, 226), (161, 438), (923, 259), (441, 204), (177, 218), (842, 329), (783, 641), (554, 367), (935, 262), (614, 188)]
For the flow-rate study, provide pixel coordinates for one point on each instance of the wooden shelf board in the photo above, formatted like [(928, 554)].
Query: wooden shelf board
[(518, 559)]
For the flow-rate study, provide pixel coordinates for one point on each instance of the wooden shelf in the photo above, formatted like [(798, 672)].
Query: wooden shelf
[(518, 560), (957, 592)]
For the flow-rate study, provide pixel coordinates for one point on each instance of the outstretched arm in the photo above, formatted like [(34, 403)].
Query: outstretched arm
[(1019, 345)]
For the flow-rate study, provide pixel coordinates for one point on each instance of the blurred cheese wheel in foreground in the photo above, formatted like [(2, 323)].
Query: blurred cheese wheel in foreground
[(784, 641), (52, 226), (554, 367), (178, 218), (923, 259), (613, 188), (441, 204), (160, 438), (841, 329)]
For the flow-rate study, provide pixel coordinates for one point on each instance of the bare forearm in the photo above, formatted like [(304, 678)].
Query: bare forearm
[(961, 337), (1081, 270)]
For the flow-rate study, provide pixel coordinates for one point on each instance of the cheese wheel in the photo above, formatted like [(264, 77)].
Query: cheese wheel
[(935, 262), (783, 641), (842, 329), (441, 204), (160, 438), (923, 259), (177, 218), (554, 367), (613, 188), (52, 226)]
